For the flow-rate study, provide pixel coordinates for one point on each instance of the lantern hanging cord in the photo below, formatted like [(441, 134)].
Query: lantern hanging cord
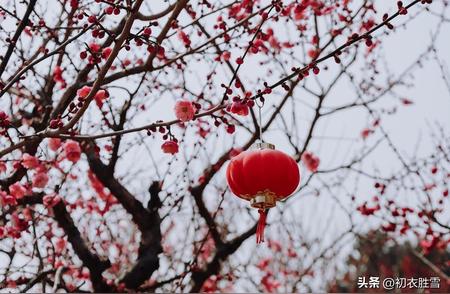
[(260, 121)]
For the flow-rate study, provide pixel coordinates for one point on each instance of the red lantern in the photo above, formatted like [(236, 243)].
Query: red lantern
[(263, 176)]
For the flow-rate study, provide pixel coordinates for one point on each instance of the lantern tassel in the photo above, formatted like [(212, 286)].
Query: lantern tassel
[(261, 226)]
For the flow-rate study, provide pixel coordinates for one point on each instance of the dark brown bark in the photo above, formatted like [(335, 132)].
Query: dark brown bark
[(95, 265)]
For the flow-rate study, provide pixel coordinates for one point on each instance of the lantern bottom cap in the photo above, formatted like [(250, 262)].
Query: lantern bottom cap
[(263, 201)]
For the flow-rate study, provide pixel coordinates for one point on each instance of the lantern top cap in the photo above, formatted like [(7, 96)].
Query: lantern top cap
[(263, 145)]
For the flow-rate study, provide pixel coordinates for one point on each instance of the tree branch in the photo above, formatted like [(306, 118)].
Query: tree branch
[(95, 265), (23, 23)]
